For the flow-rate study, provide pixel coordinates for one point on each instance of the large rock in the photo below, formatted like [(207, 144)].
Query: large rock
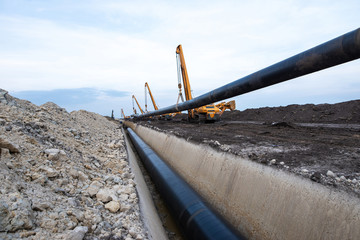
[(113, 206), (5, 153), (4, 143), (4, 212), (82, 176), (50, 172), (77, 234), (104, 195), (94, 188), (54, 154), (15, 215), (40, 205)]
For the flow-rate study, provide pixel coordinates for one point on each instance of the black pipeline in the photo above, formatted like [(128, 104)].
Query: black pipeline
[(334, 52), (195, 218)]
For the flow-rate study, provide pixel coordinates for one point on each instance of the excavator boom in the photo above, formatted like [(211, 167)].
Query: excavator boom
[(123, 114), (168, 116), (184, 73), (151, 96), (134, 98), (209, 112)]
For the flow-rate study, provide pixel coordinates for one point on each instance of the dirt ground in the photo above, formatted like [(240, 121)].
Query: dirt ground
[(319, 142)]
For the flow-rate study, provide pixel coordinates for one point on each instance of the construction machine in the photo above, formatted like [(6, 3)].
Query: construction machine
[(151, 97), (123, 115), (134, 98), (167, 116), (226, 105), (208, 113)]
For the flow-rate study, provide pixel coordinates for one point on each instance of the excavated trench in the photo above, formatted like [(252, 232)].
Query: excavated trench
[(259, 201), (155, 214)]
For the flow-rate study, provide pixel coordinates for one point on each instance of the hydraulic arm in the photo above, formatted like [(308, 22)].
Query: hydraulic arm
[(123, 114), (134, 98), (226, 105), (167, 116), (210, 112), (151, 96)]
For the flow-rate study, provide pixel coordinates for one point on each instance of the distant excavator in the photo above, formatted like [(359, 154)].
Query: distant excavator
[(134, 98), (207, 113), (123, 116), (167, 116)]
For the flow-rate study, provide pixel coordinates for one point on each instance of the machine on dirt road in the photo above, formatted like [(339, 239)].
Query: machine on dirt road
[(207, 113)]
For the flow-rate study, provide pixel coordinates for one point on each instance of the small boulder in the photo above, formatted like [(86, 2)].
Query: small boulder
[(113, 206), (330, 174), (50, 172), (82, 176), (40, 206), (13, 148), (15, 214), (5, 153), (77, 234), (94, 188), (272, 161), (53, 154), (74, 173), (123, 197), (104, 195)]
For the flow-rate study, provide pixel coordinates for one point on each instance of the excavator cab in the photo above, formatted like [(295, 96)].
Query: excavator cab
[(209, 113)]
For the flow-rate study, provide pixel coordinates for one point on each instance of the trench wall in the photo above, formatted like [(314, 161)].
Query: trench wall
[(149, 214), (261, 202)]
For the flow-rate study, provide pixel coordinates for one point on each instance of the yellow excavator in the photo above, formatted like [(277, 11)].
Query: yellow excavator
[(134, 98), (123, 115), (226, 105), (207, 113), (167, 116)]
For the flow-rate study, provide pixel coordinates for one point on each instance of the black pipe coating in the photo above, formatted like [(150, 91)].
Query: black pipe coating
[(334, 52), (195, 218)]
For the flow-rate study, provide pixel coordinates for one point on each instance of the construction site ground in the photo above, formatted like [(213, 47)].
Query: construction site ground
[(319, 142)]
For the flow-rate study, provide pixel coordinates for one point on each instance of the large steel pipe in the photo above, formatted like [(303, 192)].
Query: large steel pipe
[(334, 52), (195, 218)]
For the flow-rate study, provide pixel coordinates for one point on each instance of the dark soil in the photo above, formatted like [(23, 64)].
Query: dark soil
[(343, 113), (308, 140)]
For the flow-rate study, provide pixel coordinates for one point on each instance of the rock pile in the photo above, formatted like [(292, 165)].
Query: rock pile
[(64, 175)]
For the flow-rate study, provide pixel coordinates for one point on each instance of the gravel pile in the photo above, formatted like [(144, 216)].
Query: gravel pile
[(64, 175)]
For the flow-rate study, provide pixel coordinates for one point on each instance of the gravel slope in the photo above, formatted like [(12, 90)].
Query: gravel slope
[(64, 175)]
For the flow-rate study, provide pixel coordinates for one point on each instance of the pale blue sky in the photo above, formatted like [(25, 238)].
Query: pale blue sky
[(102, 52)]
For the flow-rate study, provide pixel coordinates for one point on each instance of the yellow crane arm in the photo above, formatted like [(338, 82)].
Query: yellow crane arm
[(184, 74), (151, 96), (133, 97), (123, 114)]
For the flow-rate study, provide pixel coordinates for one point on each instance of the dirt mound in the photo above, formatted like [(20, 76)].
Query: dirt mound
[(64, 175), (345, 112)]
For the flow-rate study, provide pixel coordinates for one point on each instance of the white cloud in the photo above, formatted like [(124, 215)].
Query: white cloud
[(130, 43)]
